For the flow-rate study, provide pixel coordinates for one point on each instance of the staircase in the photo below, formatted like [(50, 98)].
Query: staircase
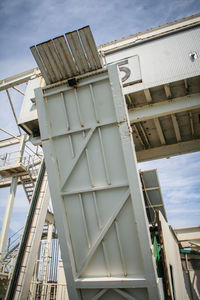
[(28, 184), (29, 177)]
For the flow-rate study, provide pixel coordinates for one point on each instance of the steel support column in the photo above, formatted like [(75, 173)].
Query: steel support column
[(7, 216), (21, 148)]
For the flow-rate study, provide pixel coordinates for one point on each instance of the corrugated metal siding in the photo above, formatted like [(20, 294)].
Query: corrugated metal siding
[(67, 56), (163, 60)]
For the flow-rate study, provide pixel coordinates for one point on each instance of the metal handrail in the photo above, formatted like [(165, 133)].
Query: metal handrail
[(15, 275), (29, 161), (16, 232), (17, 238)]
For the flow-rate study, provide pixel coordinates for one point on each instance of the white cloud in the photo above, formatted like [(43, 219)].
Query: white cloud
[(179, 179), (24, 23)]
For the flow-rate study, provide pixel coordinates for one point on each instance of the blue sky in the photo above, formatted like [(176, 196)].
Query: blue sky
[(24, 23)]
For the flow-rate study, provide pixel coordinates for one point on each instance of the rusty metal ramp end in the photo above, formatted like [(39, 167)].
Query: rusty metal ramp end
[(67, 56)]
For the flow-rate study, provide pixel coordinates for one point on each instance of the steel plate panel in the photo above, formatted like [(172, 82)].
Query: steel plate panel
[(95, 188)]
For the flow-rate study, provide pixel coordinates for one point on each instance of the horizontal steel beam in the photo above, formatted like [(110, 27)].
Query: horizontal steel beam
[(168, 150), (188, 234), (9, 142), (121, 282), (19, 78), (188, 237), (50, 218), (6, 182), (164, 108)]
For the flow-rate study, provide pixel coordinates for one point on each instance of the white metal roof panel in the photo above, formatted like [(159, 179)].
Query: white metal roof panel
[(65, 56), (89, 45)]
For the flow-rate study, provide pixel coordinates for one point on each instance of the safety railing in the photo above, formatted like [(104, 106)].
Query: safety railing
[(9, 256), (48, 291), (12, 158), (30, 162), (14, 240)]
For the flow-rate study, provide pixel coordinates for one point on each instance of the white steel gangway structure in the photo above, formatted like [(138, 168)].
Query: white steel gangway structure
[(96, 192), (20, 167)]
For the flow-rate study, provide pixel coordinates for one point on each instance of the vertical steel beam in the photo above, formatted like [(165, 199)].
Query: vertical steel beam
[(168, 91), (159, 130), (148, 95), (7, 215), (135, 187), (144, 134), (191, 123), (59, 209), (176, 127), (21, 148)]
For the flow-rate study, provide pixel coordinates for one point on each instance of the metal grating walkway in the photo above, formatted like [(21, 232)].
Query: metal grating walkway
[(67, 56)]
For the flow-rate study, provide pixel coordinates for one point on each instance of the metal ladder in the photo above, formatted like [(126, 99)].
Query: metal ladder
[(21, 278)]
